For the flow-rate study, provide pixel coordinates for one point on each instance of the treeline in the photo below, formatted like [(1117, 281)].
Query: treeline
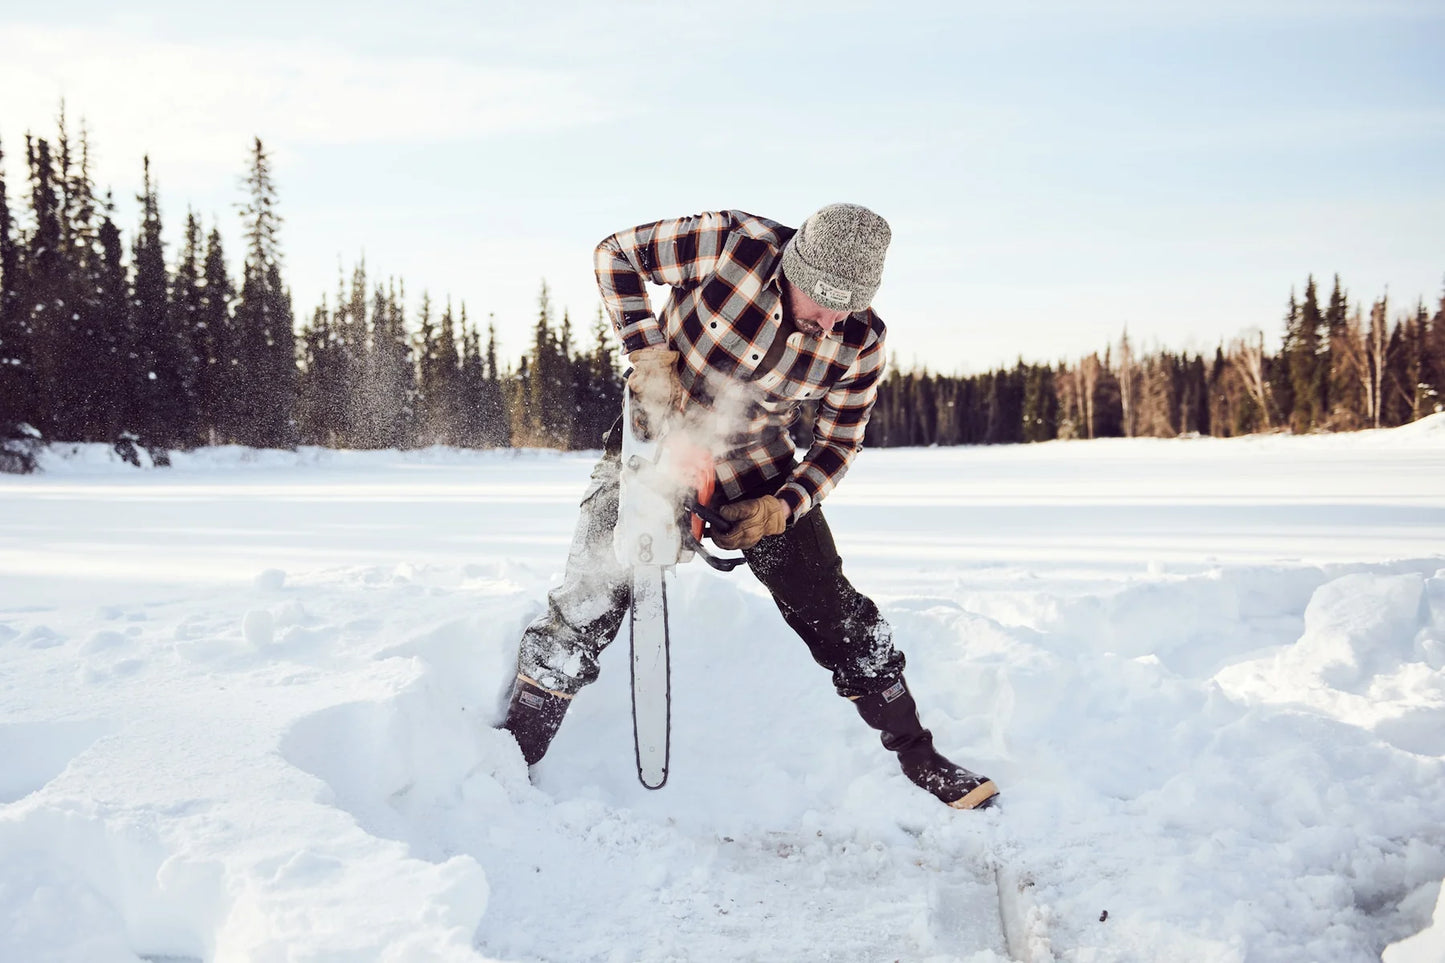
[(103, 343), (100, 341), (1334, 371), (172, 355)]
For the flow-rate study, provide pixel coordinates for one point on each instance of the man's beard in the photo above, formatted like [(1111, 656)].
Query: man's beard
[(811, 328)]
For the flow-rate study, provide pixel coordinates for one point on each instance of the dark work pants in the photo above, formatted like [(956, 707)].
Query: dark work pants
[(842, 627)]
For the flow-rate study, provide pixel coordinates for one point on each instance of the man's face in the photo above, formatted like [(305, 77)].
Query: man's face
[(808, 315)]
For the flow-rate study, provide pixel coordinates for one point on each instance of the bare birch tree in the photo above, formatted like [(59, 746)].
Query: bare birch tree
[(1247, 356)]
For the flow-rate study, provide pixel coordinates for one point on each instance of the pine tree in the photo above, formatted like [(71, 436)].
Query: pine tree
[(1041, 404), (390, 385), (1428, 373), (1005, 407), (220, 380), (15, 376), (1107, 402), (1194, 407), (45, 314), (1305, 327), (112, 401), (547, 409), (350, 329), (471, 379), (264, 327), (599, 387), (317, 389), (1399, 381), (1435, 346), (446, 368), (494, 419), (187, 292), (429, 402), (155, 380), (99, 301), (1344, 397)]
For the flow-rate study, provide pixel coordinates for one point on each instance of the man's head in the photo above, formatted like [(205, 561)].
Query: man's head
[(807, 315), (836, 258)]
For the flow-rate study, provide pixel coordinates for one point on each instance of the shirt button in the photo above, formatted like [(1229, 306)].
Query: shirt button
[(755, 357), (712, 324)]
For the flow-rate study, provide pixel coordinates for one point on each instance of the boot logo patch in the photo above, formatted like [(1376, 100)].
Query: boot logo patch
[(893, 692), (532, 700)]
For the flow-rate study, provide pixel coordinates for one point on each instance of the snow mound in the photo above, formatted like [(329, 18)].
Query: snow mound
[(1427, 946), (1371, 654), (1429, 430)]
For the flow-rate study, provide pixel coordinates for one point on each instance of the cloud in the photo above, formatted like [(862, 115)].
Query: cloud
[(198, 104)]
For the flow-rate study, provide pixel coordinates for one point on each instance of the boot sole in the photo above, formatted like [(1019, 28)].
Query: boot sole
[(976, 797)]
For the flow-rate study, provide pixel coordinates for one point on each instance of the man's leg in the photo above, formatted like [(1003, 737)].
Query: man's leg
[(841, 626), (559, 650), (847, 635)]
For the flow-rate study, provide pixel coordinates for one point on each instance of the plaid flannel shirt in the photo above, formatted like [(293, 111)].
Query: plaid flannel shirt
[(724, 314)]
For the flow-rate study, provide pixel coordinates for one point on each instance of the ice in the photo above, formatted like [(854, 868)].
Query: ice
[(246, 710)]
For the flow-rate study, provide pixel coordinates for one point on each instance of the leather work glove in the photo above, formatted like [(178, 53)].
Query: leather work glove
[(752, 520), (654, 382)]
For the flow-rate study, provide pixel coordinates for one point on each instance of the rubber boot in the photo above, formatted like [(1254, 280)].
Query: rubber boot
[(894, 713), (533, 717)]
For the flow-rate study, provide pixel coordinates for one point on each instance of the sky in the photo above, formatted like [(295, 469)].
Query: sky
[(1054, 173)]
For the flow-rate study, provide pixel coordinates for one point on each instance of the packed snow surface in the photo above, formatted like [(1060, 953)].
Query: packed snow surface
[(246, 710)]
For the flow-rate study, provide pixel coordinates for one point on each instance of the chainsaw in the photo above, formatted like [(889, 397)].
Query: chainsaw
[(667, 483)]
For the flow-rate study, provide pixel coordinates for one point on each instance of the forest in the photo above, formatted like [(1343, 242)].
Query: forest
[(107, 341)]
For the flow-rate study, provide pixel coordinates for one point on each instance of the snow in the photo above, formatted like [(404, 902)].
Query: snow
[(246, 707)]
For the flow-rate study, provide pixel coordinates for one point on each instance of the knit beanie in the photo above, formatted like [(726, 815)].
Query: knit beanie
[(836, 258)]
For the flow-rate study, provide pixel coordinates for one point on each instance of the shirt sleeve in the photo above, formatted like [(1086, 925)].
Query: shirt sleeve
[(838, 430), (678, 253)]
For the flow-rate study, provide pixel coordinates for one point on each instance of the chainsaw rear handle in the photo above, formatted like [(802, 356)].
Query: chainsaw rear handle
[(710, 515)]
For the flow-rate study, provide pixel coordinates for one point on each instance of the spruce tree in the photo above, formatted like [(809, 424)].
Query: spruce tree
[(1429, 376), (114, 392), (599, 388), (1006, 406), (428, 388), (446, 367), (45, 314), (314, 395), (1194, 398), (15, 381), (220, 378), (350, 327), (1398, 386), (1305, 328), (495, 421), (390, 382), (1040, 404), (1435, 346), (154, 379), (99, 300), (264, 327), (471, 381), (193, 346)]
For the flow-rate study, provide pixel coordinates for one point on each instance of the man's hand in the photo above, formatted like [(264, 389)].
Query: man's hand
[(654, 382), (752, 520)]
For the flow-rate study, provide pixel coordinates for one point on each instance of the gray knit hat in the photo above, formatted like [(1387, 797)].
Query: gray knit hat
[(836, 258)]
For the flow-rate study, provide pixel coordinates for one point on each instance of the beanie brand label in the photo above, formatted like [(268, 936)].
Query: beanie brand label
[(825, 293), (893, 692), (532, 700)]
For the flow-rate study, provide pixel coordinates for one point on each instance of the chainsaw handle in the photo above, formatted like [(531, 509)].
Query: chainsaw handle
[(710, 516)]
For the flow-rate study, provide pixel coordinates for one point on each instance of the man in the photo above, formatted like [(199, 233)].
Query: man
[(762, 319)]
